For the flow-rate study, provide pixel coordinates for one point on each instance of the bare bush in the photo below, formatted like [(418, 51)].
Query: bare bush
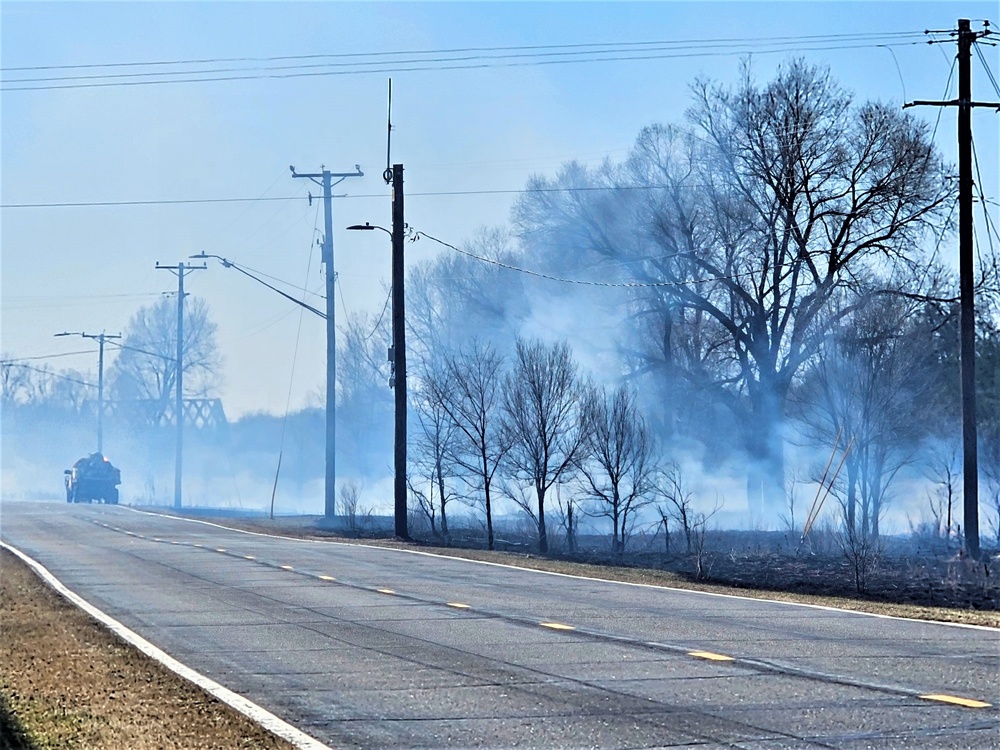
[(356, 520), (863, 551)]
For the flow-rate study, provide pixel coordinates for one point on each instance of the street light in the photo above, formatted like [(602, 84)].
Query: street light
[(366, 226), (399, 371), (100, 338)]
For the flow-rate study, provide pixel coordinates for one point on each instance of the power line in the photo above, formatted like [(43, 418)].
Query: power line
[(989, 73), (595, 46), (982, 198), (49, 373), (13, 360), (385, 306), (425, 194), (583, 282), (437, 64)]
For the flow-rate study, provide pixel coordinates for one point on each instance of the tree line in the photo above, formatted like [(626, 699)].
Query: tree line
[(765, 279)]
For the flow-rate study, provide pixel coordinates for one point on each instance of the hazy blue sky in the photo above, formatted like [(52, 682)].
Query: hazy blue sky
[(455, 131)]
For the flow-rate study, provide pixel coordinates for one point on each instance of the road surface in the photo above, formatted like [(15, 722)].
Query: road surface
[(379, 648)]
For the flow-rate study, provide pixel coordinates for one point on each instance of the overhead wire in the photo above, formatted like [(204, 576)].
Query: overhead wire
[(424, 194), (989, 72), (539, 57), (460, 50), (378, 322), (295, 356), (445, 64), (12, 360), (990, 228), (584, 282), (49, 373)]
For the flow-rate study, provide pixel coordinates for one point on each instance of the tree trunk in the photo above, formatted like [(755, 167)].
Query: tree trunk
[(852, 492), (441, 496), (489, 510), (543, 539), (765, 450), (616, 546), (570, 530), (489, 519)]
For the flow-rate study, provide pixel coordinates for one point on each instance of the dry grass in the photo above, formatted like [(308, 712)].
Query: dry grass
[(69, 683)]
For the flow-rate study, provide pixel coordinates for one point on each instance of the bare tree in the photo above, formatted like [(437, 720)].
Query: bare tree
[(943, 468), (540, 414), (469, 389), (617, 459), (677, 504), (778, 199), (146, 367), (864, 389), (433, 455)]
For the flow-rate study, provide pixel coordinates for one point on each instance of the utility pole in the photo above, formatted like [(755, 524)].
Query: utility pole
[(100, 338), (397, 352), (324, 179), (399, 349), (180, 270), (966, 270)]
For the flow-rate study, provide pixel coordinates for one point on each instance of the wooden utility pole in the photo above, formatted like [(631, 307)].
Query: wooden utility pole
[(324, 179), (966, 270), (100, 338), (180, 270), (399, 350)]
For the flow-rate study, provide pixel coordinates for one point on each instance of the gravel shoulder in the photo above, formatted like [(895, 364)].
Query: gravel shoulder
[(68, 683)]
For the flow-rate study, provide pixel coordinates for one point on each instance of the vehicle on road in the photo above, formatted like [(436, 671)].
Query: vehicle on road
[(93, 478)]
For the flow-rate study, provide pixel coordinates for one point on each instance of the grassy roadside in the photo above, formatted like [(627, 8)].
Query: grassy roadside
[(68, 683)]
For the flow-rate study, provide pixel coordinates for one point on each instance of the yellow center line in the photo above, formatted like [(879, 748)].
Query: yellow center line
[(459, 605), (710, 656), (556, 626), (327, 578), (286, 567), (385, 591), (955, 700), (249, 557)]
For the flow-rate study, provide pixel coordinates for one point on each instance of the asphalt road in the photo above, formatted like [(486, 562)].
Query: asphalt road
[(378, 648)]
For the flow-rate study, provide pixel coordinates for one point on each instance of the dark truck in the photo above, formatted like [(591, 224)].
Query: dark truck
[(92, 478)]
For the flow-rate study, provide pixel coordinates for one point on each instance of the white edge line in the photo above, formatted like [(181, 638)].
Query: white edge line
[(248, 708), (578, 577)]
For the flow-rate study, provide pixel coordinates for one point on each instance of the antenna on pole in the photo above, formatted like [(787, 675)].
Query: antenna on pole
[(387, 174)]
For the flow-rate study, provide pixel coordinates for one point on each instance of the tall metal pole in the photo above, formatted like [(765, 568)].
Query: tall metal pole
[(330, 503), (966, 272), (324, 179), (399, 347), (179, 397), (180, 270), (100, 394)]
